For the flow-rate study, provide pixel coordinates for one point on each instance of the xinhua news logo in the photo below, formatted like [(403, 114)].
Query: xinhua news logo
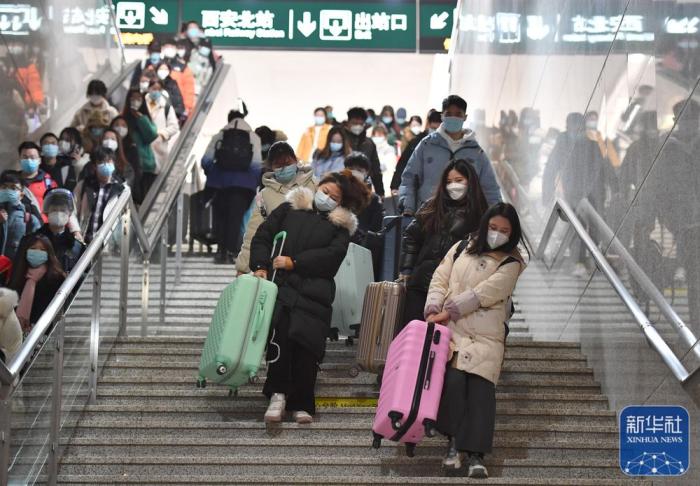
[(654, 440)]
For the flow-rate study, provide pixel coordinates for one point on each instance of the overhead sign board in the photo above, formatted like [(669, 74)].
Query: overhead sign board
[(307, 25)]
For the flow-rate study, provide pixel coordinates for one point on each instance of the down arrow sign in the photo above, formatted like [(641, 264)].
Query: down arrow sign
[(306, 26)]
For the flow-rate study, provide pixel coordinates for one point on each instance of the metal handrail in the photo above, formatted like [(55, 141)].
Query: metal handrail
[(563, 211), (57, 304), (636, 272), (205, 103)]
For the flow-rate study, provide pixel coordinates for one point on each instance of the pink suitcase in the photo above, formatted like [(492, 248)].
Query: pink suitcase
[(412, 385)]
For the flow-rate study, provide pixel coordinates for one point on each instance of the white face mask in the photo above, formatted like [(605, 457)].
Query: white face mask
[(181, 52), (58, 218), (169, 52), (360, 175), (95, 99), (135, 104), (378, 140), (121, 131), (110, 144), (64, 146), (163, 73), (143, 86), (357, 129), (456, 190), (415, 129), (592, 124), (496, 239)]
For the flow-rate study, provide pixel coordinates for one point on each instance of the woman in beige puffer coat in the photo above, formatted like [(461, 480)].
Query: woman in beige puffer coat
[(10, 329), (470, 291)]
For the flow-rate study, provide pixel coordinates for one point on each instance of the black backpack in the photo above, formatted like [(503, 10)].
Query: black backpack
[(234, 151)]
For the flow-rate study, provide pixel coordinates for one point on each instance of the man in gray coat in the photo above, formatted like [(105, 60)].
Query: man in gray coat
[(450, 141)]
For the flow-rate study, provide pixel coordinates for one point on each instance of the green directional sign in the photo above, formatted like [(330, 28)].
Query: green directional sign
[(436, 20), (307, 25), (147, 15)]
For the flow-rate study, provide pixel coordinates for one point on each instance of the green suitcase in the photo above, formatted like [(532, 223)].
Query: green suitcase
[(238, 332)]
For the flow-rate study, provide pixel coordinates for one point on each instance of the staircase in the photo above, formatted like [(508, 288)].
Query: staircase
[(150, 425)]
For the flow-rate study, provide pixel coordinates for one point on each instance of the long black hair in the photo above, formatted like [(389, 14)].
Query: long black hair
[(19, 272), (433, 213), (326, 152), (480, 245)]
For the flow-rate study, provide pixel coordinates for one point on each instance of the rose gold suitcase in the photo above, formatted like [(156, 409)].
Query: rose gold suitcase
[(382, 311)]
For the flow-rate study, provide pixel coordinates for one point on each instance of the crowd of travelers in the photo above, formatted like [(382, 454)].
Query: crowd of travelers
[(55, 200)]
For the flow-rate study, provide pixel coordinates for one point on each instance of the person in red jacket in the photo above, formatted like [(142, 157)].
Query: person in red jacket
[(35, 180)]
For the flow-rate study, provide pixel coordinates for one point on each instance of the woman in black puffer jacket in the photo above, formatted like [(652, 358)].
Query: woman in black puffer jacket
[(449, 216), (319, 227)]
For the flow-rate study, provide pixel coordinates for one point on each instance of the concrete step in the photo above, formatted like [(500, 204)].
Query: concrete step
[(304, 466), (177, 480)]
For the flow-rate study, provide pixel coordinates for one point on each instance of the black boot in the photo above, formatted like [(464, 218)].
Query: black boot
[(221, 256)]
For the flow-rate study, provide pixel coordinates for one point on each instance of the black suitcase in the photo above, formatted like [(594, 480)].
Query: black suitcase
[(392, 234), (202, 217)]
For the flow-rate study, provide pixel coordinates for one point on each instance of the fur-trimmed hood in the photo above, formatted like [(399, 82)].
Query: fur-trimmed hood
[(8, 302), (303, 199)]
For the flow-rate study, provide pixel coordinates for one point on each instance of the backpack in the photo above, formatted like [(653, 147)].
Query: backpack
[(234, 152)]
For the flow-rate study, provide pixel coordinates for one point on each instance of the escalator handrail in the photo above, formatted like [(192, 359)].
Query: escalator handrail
[(202, 108), (10, 371)]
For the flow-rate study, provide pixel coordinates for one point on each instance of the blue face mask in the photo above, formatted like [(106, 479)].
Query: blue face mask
[(452, 124), (29, 165), (9, 196), (154, 57), (204, 51), (193, 33), (323, 202), (155, 95), (400, 121), (97, 132), (286, 174), (105, 170), (36, 258), (369, 120), (319, 120), (386, 120), (336, 146), (49, 150)]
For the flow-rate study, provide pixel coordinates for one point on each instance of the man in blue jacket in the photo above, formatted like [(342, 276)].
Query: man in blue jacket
[(450, 141)]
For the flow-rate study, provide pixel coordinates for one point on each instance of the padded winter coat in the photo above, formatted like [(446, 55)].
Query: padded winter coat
[(422, 251), (475, 289), (10, 329), (317, 243)]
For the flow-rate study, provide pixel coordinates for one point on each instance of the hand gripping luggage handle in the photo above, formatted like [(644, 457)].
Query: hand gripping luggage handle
[(259, 315), (283, 236)]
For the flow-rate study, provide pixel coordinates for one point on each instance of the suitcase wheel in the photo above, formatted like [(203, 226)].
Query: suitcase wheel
[(354, 371), (201, 382), (221, 369), (349, 341), (333, 334), (430, 430), (377, 441), (395, 419), (410, 449)]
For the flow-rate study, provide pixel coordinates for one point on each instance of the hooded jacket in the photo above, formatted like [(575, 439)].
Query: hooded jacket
[(317, 243), (271, 195), (10, 329), (221, 179), (425, 167), (475, 290), (20, 222)]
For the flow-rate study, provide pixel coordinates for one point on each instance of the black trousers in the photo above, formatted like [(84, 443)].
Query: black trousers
[(414, 304), (468, 411), (147, 180), (230, 204), (294, 372)]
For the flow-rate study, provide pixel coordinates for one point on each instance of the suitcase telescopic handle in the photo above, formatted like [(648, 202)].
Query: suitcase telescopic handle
[(282, 235)]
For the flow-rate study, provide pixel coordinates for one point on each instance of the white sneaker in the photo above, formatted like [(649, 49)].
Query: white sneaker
[(453, 459), (276, 408), (580, 271), (302, 417)]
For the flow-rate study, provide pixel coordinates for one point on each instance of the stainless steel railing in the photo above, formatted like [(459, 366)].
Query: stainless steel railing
[(562, 211)]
